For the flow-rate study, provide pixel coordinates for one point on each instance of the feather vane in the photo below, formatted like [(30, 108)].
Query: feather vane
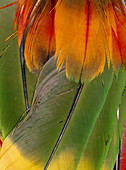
[(83, 34)]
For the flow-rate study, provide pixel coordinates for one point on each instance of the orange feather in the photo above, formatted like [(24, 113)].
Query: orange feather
[(40, 41), (82, 33)]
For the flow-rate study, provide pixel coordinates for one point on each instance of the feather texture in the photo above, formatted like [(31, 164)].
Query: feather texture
[(123, 154), (93, 23), (83, 33), (36, 23)]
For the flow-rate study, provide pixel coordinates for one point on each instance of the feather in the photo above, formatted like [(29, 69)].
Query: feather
[(83, 34), (87, 138), (87, 36), (37, 25), (38, 50)]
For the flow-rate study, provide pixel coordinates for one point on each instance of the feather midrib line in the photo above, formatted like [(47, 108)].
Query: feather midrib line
[(24, 74), (87, 31), (75, 100), (65, 125)]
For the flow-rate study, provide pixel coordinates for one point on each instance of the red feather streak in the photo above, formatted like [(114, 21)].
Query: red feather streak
[(13, 3)]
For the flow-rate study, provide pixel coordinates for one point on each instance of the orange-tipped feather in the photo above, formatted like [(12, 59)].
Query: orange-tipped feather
[(82, 33), (40, 43)]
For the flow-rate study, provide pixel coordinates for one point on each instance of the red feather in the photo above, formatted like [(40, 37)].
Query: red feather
[(123, 150)]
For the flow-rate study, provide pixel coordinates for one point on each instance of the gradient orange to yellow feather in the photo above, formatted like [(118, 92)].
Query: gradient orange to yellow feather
[(87, 31), (82, 33)]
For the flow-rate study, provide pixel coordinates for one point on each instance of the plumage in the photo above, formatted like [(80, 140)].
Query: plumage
[(34, 21), (38, 50), (88, 36), (83, 33), (69, 127)]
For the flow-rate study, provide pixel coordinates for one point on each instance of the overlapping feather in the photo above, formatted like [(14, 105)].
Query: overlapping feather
[(72, 31), (82, 33)]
